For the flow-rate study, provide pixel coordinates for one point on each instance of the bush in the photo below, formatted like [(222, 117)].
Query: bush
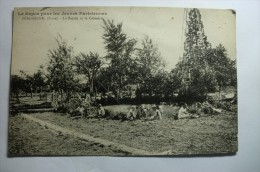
[(192, 94), (75, 107)]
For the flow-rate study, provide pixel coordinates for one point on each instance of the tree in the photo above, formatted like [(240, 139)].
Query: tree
[(88, 65), (202, 67), (61, 72), (103, 83), (16, 85), (222, 65), (196, 75), (120, 51), (233, 72), (28, 83), (38, 80), (150, 66), (172, 83)]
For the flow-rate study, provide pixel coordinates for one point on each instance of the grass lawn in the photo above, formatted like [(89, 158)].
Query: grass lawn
[(204, 135)]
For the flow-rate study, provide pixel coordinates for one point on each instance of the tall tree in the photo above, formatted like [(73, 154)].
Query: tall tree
[(195, 45), (202, 67), (88, 65), (218, 60), (61, 73), (194, 70), (150, 66), (119, 53)]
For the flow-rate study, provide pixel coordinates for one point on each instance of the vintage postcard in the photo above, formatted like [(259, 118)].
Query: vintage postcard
[(123, 81)]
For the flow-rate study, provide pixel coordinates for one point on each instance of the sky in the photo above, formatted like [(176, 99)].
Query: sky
[(34, 37)]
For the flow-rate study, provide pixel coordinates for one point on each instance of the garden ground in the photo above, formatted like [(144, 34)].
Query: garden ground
[(204, 135)]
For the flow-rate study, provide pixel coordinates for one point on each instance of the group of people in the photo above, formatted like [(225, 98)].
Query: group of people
[(135, 112), (145, 112), (196, 110), (98, 111), (154, 112)]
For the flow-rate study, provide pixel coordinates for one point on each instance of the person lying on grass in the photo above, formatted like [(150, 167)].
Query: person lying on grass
[(209, 109), (184, 113)]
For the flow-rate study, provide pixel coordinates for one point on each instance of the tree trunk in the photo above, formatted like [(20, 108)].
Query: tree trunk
[(40, 92), (61, 94), (91, 86), (219, 93), (31, 92), (115, 91), (68, 95), (17, 97), (46, 94)]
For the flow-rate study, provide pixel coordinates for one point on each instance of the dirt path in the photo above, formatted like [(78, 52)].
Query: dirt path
[(81, 136), (27, 138)]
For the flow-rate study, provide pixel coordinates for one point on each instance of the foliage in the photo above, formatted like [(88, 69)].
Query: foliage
[(120, 55), (88, 65), (28, 82), (202, 69), (76, 106), (224, 68), (172, 83), (16, 84), (128, 65), (233, 73), (151, 72), (61, 72), (38, 80)]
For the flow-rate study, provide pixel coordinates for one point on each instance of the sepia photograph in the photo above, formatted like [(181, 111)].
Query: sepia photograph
[(123, 81)]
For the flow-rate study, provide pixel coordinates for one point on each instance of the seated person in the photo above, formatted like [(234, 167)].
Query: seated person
[(207, 108), (100, 111), (155, 113), (131, 113), (80, 111), (141, 112), (183, 112), (198, 109), (160, 108)]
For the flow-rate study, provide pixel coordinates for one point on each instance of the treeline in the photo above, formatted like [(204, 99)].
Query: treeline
[(132, 69), (27, 83)]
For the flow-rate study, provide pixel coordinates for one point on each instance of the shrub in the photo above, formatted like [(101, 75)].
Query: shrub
[(192, 94), (76, 106)]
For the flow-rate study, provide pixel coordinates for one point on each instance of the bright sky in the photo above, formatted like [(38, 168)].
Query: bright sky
[(33, 38)]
